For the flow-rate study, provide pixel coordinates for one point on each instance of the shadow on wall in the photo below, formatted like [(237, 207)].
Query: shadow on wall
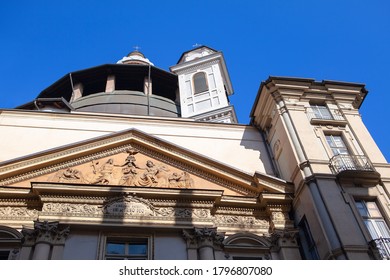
[(253, 139)]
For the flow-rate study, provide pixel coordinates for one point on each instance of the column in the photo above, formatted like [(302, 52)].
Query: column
[(77, 92), (204, 241), (147, 85), (47, 237), (110, 85)]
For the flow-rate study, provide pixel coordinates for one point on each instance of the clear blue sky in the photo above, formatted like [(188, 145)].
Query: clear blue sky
[(41, 41)]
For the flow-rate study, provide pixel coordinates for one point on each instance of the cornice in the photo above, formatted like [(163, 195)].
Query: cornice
[(194, 67), (86, 151)]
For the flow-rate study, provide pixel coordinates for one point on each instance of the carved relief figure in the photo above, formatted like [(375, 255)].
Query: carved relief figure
[(104, 172), (182, 180), (127, 173), (149, 177), (69, 175), (128, 176)]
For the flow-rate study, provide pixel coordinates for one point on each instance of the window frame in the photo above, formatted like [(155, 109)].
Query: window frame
[(195, 92), (10, 241), (127, 240), (317, 110), (331, 148), (374, 221)]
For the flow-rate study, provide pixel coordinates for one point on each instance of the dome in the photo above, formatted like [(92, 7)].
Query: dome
[(127, 102), (135, 57)]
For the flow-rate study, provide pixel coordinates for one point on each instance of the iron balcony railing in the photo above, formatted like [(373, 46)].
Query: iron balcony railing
[(341, 163), (382, 245)]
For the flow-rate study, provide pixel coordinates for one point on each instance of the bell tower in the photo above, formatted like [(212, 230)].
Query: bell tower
[(204, 86)]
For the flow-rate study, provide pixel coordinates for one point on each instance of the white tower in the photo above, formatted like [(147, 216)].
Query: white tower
[(204, 86)]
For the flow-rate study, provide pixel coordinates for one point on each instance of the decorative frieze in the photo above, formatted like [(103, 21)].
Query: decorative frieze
[(240, 221), (71, 209), (17, 213), (124, 206)]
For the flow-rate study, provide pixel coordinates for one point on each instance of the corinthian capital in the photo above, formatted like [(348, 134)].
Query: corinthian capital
[(47, 232), (198, 235)]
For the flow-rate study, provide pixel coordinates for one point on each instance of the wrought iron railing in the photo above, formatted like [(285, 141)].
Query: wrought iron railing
[(382, 245), (341, 163)]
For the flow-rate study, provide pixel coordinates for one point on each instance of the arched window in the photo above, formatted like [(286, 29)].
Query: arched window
[(247, 246), (200, 82), (10, 243)]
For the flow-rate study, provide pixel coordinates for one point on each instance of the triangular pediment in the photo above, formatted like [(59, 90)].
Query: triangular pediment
[(134, 159)]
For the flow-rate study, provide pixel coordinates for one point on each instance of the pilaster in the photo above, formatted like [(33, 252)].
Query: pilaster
[(285, 244)]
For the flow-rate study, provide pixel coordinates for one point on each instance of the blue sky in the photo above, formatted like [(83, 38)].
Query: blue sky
[(325, 40)]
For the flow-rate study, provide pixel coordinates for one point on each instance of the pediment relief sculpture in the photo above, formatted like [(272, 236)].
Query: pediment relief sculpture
[(125, 169)]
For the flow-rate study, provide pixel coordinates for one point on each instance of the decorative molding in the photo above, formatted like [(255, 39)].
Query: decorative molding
[(71, 209), (284, 238), (66, 171), (14, 202), (73, 150), (244, 222), (198, 66), (131, 174), (191, 169), (235, 211), (17, 213), (59, 166), (124, 206), (130, 206), (199, 236)]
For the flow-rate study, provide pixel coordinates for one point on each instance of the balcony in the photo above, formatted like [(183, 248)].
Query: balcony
[(355, 168), (382, 247)]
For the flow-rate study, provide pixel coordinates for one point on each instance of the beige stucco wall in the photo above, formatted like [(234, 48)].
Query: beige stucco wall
[(27, 132), (366, 139)]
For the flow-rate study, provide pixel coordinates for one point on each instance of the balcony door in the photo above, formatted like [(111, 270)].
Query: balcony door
[(340, 152), (376, 225)]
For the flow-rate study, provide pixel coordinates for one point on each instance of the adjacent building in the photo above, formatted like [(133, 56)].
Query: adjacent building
[(130, 161)]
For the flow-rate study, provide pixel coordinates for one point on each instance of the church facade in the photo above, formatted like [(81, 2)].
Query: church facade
[(129, 161)]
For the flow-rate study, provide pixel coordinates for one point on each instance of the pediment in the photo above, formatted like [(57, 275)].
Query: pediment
[(133, 159)]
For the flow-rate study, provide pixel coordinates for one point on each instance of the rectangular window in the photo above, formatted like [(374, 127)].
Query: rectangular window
[(342, 159), (308, 248), (376, 226), (337, 145), (373, 219), (120, 248), (321, 112)]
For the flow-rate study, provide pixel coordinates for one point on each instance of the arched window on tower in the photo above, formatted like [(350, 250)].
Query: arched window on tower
[(200, 82)]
